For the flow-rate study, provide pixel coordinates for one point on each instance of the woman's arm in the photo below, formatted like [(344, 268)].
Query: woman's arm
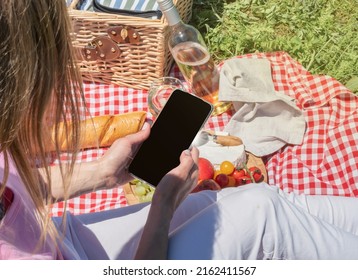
[(106, 172), (170, 192), (86, 177)]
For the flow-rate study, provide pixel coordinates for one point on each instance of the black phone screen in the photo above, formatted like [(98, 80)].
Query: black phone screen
[(172, 132)]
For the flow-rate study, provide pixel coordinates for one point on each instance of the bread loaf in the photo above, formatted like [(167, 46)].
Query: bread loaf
[(100, 131)]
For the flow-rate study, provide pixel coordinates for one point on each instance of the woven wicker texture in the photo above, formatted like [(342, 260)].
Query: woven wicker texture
[(138, 63)]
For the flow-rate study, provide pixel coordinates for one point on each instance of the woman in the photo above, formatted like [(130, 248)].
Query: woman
[(37, 77), (37, 82)]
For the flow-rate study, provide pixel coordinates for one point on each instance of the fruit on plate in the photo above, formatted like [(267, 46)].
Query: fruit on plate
[(206, 169), (232, 182), (238, 173), (226, 174), (256, 174), (207, 184), (143, 191), (227, 167), (243, 180), (222, 179)]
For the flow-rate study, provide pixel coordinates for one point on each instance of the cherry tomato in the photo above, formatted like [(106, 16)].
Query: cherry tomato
[(256, 173), (255, 169), (238, 173), (232, 182), (244, 180), (227, 167)]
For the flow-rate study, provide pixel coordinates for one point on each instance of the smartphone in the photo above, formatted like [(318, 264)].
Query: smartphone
[(173, 131)]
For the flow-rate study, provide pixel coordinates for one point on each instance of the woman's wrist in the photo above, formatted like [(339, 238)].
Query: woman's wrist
[(86, 177), (164, 202), (154, 240), (111, 175)]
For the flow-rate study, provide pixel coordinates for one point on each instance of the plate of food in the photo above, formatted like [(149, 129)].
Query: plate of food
[(137, 191), (223, 163)]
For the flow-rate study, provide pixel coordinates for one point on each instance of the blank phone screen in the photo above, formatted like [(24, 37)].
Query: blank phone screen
[(172, 132)]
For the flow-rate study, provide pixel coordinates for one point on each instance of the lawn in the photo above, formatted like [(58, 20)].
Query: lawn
[(320, 34)]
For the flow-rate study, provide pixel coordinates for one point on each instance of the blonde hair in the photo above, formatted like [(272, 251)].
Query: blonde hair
[(37, 73)]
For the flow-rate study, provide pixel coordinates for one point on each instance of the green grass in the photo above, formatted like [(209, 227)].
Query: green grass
[(320, 34)]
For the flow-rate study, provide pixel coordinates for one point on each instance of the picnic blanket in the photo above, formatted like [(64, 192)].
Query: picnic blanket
[(324, 164)]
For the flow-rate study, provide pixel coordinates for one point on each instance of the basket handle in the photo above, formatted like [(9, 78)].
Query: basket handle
[(100, 48)]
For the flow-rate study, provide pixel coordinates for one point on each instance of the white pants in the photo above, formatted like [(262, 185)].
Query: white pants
[(255, 221)]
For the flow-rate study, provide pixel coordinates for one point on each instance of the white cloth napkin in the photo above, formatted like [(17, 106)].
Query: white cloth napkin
[(265, 120)]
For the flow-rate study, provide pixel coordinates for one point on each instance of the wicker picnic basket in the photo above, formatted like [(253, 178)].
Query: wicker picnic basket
[(124, 50)]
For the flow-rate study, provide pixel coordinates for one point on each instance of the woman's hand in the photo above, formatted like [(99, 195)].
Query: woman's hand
[(115, 161), (179, 182), (104, 173), (170, 192)]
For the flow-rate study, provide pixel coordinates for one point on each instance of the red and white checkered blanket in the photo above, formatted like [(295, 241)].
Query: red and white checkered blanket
[(325, 164)]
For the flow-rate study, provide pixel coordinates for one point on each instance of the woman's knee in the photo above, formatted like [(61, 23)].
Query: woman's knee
[(255, 197)]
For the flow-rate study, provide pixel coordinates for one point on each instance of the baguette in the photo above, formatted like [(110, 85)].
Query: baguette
[(100, 131)]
